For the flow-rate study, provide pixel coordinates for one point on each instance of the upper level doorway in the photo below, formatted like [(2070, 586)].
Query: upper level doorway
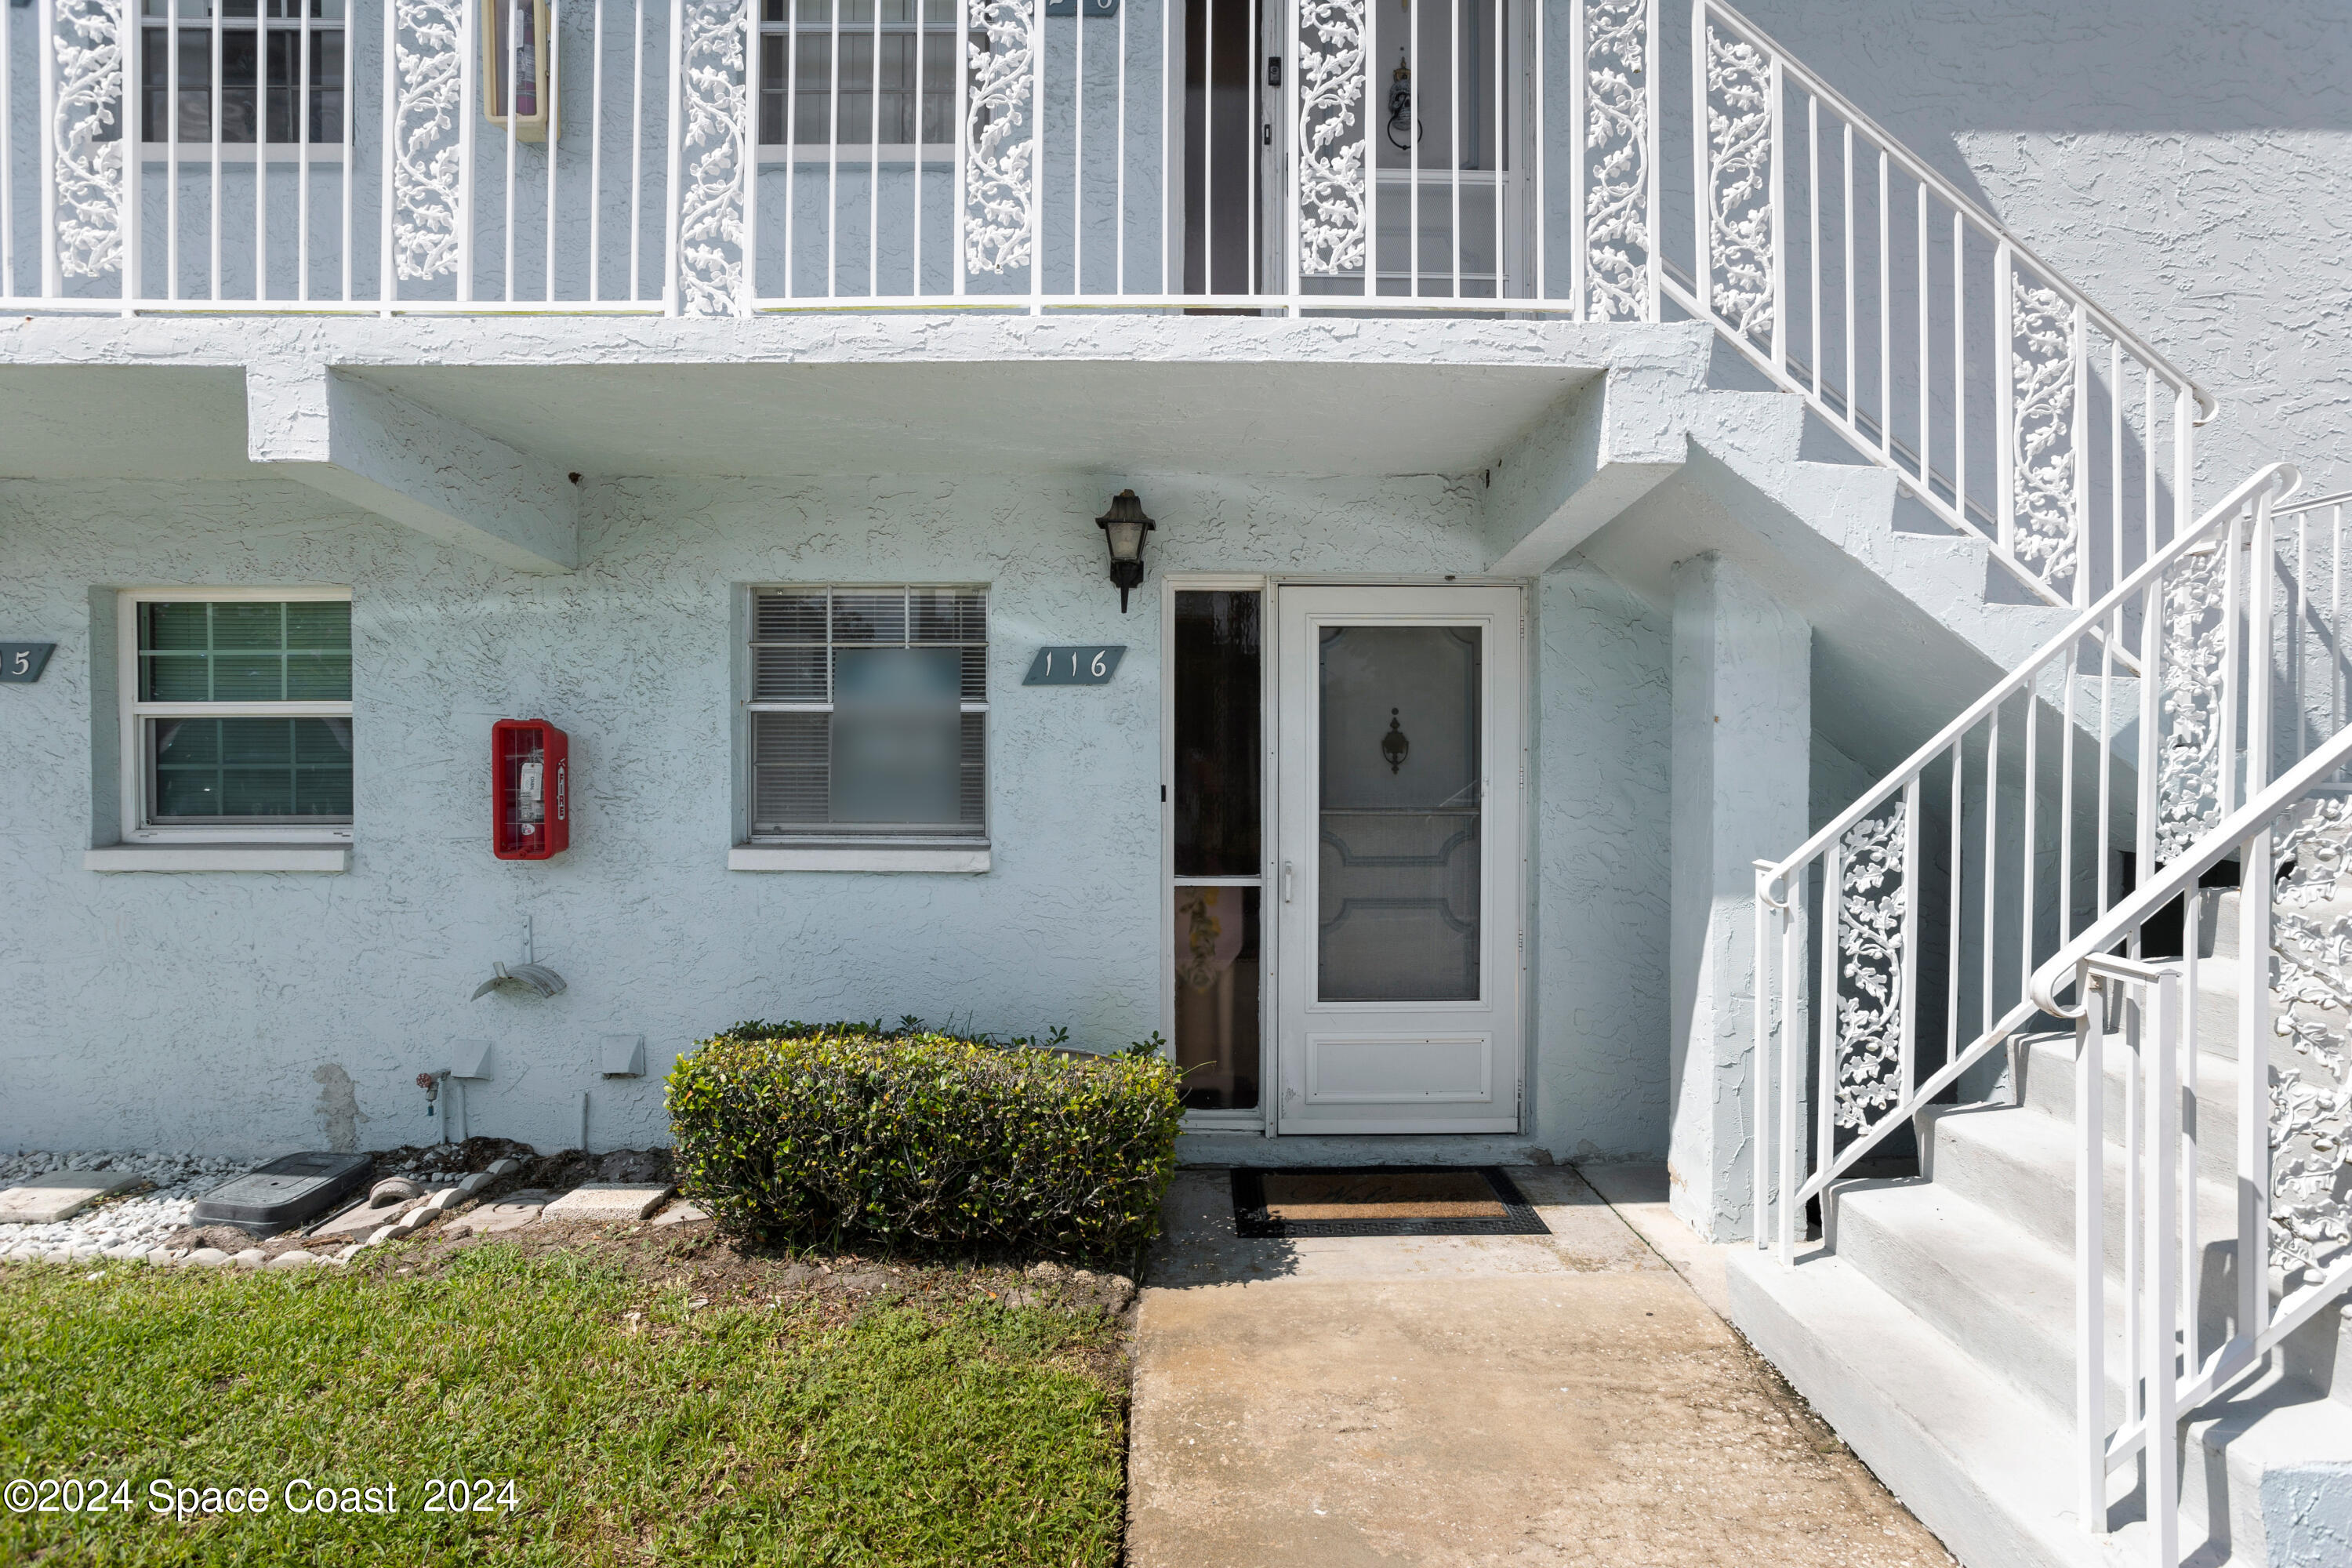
[(1450, 199)]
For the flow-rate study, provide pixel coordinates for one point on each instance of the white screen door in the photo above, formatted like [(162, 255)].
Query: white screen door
[(1398, 843)]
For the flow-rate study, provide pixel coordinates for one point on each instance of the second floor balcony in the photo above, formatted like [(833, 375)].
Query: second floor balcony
[(735, 156), (1595, 160)]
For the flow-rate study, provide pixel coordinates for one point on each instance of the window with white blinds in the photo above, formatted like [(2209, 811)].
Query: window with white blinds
[(868, 714)]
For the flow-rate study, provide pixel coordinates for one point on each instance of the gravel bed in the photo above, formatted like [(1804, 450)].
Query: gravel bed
[(156, 1219), (144, 1216)]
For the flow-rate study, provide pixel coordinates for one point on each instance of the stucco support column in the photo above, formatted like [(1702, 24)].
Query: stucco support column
[(1604, 448), (1742, 733), (379, 452)]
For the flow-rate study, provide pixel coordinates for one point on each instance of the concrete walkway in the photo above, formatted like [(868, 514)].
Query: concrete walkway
[(1520, 1400)]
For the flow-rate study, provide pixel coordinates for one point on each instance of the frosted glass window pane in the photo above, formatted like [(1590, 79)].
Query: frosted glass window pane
[(1398, 866), (890, 750), (898, 732)]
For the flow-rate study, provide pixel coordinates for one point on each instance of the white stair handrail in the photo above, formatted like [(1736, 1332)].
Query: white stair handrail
[(1798, 75), (2143, 1018), (2281, 477), (2180, 874), (1986, 322), (1862, 959)]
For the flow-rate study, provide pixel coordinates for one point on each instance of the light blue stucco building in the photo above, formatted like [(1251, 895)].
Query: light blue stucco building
[(1592, 448)]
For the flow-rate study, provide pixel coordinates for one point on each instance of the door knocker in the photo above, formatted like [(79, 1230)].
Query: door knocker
[(1404, 131), (1394, 746)]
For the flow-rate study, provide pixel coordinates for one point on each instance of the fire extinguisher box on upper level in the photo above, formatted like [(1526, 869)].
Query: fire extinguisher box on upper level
[(531, 807)]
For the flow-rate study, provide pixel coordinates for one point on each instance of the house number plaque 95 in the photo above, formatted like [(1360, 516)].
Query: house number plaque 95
[(1090, 665)]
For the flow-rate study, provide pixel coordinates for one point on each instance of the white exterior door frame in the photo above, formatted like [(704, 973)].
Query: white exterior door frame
[(1258, 1121), (1456, 1063)]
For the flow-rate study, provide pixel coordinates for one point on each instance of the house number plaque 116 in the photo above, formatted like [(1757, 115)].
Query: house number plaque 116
[(1091, 665)]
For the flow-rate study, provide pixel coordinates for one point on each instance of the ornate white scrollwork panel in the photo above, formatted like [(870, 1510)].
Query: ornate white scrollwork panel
[(85, 136), (1870, 938), (1332, 203), (1738, 195), (2195, 641), (711, 242), (2311, 1069), (2042, 415), (427, 67), (1001, 140), (1618, 246)]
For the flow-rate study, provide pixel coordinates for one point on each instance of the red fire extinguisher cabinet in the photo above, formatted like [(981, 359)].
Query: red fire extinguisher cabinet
[(531, 806)]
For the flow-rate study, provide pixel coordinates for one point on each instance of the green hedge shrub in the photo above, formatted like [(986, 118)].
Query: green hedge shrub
[(849, 1135)]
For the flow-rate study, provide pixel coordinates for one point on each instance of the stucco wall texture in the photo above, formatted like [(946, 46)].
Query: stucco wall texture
[(2184, 164), (1599, 980), (158, 1010)]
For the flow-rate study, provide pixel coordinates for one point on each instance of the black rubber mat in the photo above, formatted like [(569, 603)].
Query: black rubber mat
[(1381, 1213)]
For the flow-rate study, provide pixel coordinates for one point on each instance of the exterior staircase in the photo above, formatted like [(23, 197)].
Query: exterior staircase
[(1934, 1326), (1951, 1324)]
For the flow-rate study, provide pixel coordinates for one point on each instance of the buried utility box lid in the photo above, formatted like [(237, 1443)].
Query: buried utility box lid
[(289, 1190)]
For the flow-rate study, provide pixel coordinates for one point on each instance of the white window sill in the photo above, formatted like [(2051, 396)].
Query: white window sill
[(218, 858), (965, 859)]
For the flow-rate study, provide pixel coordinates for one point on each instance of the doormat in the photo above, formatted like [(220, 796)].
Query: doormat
[(1381, 1200)]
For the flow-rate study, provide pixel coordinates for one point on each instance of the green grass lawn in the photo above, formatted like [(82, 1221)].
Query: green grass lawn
[(635, 1428)]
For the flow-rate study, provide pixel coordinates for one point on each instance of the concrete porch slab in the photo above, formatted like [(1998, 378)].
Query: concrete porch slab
[(1556, 1399), (1639, 1193), (60, 1195)]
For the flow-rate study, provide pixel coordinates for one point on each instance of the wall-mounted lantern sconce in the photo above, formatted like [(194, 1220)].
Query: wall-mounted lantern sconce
[(1124, 526), (521, 91)]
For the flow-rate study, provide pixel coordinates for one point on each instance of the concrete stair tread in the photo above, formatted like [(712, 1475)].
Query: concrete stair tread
[(1988, 1284), (1992, 1471), (2047, 1064), (1983, 1466), (2017, 1161)]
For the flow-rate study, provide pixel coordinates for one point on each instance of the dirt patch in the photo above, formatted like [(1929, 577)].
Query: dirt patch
[(697, 1258), (694, 1259), (450, 1159)]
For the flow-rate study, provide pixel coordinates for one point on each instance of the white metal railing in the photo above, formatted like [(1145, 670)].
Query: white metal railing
[(1893, 948), (722, 157), (1847, 269), (2203, 1312)]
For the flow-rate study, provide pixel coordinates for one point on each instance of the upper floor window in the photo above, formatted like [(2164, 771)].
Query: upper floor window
[(868, 714), (266, 64), (236, 711), (853, 72)]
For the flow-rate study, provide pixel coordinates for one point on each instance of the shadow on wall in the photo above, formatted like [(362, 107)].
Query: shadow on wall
[(1931, 72)]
